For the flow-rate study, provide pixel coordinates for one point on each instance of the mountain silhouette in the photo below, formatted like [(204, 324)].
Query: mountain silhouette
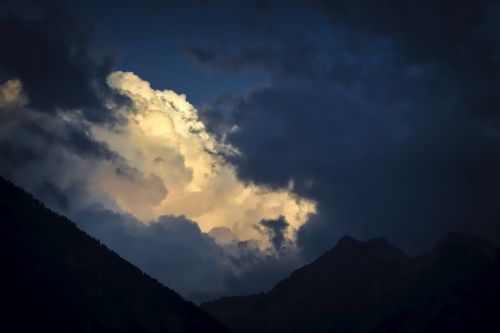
[(56, 278), (372, 286)]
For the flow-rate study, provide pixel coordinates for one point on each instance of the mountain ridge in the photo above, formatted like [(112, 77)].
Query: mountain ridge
[(369, 286), (61, 279)]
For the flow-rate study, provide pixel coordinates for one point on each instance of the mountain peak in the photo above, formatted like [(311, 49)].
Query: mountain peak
[(348, 244), (375, 281), (347, 241)]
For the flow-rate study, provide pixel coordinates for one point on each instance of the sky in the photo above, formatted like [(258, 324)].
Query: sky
[(219, 145)]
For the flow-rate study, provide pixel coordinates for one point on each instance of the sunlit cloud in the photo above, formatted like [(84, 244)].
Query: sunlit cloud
[(182, 171), (11, 94), (162, 162)]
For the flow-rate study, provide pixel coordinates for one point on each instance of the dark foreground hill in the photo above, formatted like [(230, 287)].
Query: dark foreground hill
[(372, 286), (56, 278)]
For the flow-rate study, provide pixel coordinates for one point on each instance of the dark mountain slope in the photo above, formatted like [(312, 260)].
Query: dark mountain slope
[(56, 278), (373, 287)]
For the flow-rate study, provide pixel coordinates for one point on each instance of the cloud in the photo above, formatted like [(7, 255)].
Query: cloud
[(11, 95), (280, 61), (174, 250), (163, 136), (155, 188), (223, 235), (132, 189), (276, 231), (30, 139), (144, 176), (160, 161), (200, 54), (387, 123), (47, 46)]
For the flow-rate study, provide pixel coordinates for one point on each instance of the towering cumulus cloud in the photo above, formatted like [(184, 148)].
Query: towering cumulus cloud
[(164, 139), (154, 187)]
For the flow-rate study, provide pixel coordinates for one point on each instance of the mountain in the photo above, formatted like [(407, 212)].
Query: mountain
[(56, 278), (372, 286)]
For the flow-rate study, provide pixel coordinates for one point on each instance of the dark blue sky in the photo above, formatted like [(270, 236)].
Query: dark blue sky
[(150, 38)]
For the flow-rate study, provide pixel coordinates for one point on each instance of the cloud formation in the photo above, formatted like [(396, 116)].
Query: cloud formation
[(47, 45), (385, 114), (154, 188), (382, 119), (276, 229), (175, 250), (164, 137), (133, 166)]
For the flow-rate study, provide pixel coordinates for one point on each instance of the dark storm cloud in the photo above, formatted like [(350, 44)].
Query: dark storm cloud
[(390, 122), (290, 59), (174, 250), (459, 36), (75, 137), (53, 196), (47, 46), (262, 270), (28, 138), (249, 57), (62, 198), (276, 229), (14, 156), (200, 54)]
